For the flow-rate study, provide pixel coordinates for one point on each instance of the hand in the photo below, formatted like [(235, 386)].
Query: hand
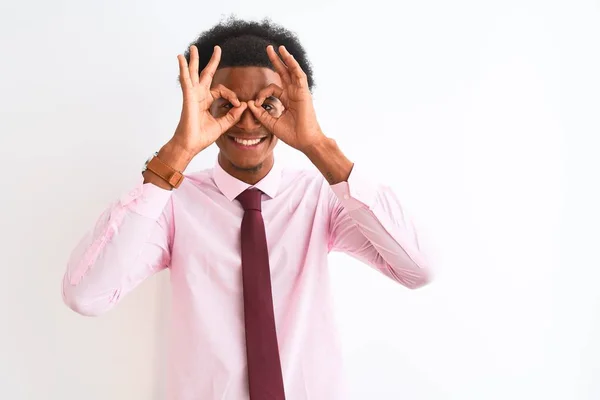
[(197, 128), (297, 126)]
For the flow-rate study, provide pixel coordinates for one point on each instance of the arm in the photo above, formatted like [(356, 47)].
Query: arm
[(132, 239), (367, 221), (130, 242)]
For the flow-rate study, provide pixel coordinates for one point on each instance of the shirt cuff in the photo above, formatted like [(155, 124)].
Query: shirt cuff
[(358, 192), (147, 199)]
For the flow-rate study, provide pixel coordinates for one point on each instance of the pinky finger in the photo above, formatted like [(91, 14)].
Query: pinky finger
[(293, 65), (184, 73)]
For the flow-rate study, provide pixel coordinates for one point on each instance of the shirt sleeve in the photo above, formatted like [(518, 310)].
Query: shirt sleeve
[(129, 242), (368, 222)]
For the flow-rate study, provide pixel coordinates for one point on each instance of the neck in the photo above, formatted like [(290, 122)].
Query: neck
[(250, 176)]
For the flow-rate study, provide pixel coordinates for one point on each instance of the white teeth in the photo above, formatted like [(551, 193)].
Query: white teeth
[(247, 142)]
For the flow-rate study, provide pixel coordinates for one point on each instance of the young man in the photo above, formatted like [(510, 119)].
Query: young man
[(246, 242)]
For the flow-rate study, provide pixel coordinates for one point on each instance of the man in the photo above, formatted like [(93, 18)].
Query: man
[(246, 242)]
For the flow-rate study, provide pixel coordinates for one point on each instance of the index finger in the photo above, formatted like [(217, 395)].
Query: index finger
[(271, 90), (220, 91), (208, 72)]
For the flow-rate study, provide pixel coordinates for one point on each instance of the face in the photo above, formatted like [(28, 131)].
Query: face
[(247, 146)]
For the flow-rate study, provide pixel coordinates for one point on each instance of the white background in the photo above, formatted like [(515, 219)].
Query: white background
[(483, 115)]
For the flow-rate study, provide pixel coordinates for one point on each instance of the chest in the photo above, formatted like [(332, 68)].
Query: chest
[(206, 245)]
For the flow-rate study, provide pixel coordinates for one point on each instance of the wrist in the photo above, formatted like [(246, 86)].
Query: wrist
[(319, 147), (329, 160), (176, 155)]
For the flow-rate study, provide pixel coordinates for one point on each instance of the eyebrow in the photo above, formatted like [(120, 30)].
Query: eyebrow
[(271, 98)]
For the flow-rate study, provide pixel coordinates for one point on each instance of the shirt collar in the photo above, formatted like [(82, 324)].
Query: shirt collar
[(231, 187)]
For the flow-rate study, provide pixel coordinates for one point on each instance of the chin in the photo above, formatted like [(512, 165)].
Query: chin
[(245, 165)]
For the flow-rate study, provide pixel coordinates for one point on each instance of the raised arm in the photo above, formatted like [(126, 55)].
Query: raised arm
[(132, 238)]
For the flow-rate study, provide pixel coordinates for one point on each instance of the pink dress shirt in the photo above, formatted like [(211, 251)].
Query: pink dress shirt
[(194, 231)]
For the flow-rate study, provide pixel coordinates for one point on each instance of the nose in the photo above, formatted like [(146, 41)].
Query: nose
[(248, 121)]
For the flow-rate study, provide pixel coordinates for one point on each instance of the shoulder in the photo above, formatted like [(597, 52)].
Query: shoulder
[(198, 180), (304, 182), (199, 176), (302, 176)]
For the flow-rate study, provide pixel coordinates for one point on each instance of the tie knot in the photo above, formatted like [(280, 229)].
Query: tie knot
[(250, 199)]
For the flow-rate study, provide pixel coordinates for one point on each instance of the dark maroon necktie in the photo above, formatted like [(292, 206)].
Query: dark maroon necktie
[(264, 366)]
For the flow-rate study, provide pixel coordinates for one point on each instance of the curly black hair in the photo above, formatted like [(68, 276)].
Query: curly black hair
[(243, 44)]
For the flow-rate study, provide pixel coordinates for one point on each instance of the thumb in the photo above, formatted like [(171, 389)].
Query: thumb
[(232, 117), (262, 116)]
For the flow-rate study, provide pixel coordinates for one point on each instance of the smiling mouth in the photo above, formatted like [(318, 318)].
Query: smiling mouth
[(247, 142)]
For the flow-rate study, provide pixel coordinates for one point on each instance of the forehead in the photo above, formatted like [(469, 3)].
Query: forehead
[(245, 82)]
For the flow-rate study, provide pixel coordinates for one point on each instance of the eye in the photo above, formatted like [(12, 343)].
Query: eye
[(227, 105), (268, 107)]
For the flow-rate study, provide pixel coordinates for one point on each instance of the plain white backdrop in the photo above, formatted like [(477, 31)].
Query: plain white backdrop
[(483, 116)]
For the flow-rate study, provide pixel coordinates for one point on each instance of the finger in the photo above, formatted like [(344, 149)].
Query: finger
[(279, 66), (194, 61), (263, 116), (184, 73), (271, 90), (232, 117), (294, 68), (221, 91), (208, 72)]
